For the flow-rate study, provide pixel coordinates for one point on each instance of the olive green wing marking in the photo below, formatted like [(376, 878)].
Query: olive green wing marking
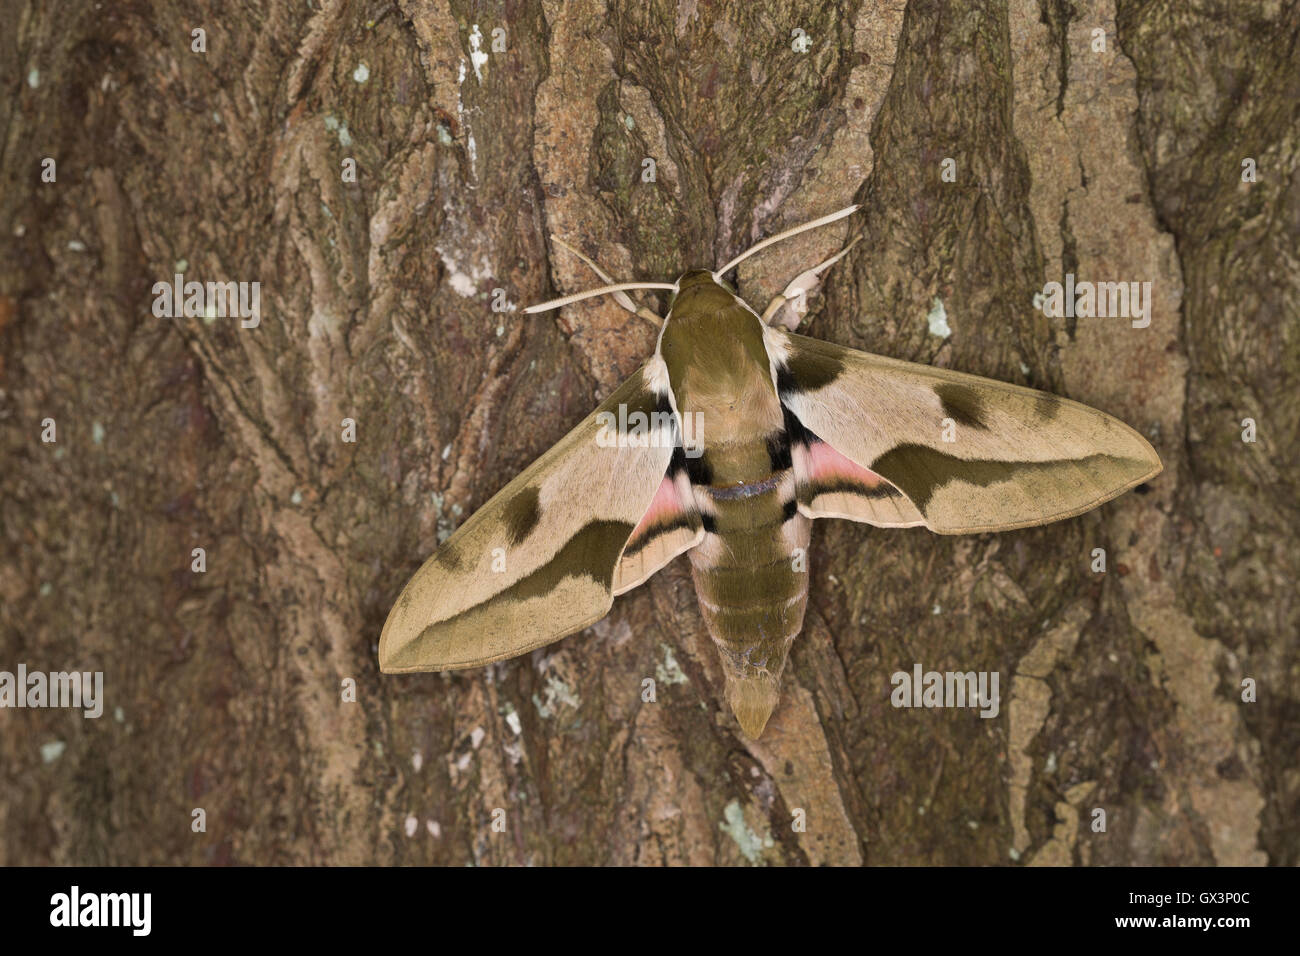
[(1016, 457), (542, 558)]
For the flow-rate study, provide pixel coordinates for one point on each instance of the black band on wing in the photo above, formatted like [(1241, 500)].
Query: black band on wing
[(883, 490), (688, 522), (795, 431)]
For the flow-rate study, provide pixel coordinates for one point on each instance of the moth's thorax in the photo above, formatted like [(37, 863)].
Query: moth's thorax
[(717, 364)]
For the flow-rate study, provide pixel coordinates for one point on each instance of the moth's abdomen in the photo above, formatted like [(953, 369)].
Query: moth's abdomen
[(751, 579)]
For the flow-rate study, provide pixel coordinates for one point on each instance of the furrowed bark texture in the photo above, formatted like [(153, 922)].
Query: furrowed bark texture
[(1121, 161)]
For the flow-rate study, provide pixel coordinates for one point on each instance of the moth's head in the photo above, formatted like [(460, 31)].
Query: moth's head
[(699, 291), (697, 278)]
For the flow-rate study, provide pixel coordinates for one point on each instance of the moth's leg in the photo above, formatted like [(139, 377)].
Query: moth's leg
[(622, 298), (796, 293)]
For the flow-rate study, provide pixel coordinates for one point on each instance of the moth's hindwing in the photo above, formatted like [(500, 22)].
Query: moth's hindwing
[(898, 444), (595, 515)]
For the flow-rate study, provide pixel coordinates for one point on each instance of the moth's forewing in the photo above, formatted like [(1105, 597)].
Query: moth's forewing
[(544, 557), (962, 453)]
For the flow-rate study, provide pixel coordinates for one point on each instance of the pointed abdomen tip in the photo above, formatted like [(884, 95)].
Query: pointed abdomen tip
[(752, 700)]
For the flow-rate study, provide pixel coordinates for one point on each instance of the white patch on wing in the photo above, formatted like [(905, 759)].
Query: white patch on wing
[(656, 376), (704, 503), (657, 380), (777, 343), (789, 481), (685, 490)]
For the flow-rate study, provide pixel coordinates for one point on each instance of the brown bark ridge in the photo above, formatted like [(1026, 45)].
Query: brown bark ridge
[(478, 130)]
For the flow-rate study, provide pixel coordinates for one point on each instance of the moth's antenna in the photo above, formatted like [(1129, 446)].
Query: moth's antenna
[(621, 298), (609, 279), (824, 220), (592, 293)]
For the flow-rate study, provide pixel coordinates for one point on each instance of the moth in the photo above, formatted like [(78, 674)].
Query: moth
[(726, 445)]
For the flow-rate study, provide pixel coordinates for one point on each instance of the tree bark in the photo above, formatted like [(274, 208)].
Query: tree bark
[(1121, 691)]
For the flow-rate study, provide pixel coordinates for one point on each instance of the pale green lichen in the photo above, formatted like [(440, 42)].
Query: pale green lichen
[(938, 319), (512, 718), (333, 124), (751, 845), (556, 692), (668, 671)]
